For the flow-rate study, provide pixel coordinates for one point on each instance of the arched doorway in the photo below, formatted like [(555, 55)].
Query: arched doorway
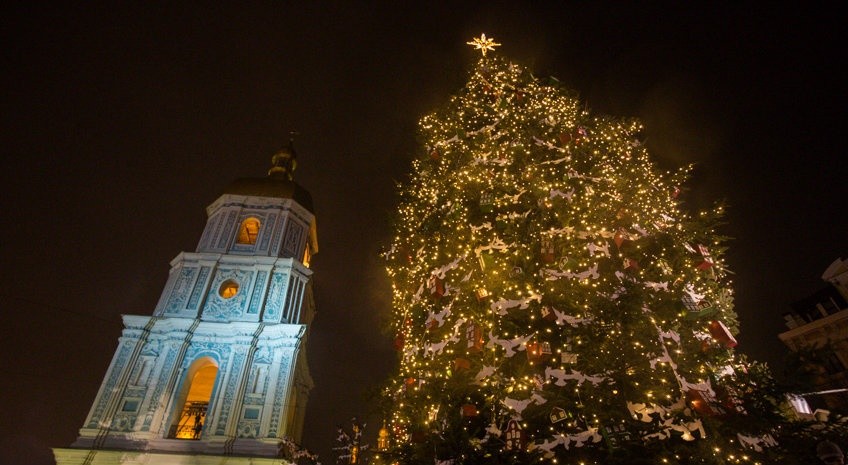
[(194, 400)]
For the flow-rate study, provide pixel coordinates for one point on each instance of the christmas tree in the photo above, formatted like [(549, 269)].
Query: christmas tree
[(553, 299)]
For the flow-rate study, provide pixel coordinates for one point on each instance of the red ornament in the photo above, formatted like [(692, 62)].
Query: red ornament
[(434, 154), (436, 286), (703, 403), (706, 259), (399, 342), (461, 364), (721, 334), (468, 410), (538, 351), (474, 337)]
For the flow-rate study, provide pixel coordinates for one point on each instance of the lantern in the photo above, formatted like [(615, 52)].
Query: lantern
[(481, 294), (548, 313)]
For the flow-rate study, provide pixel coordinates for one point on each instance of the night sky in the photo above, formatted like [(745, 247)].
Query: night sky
[(121, 123)]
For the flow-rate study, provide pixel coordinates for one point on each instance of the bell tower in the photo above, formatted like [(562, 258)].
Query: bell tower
[(220, 368)]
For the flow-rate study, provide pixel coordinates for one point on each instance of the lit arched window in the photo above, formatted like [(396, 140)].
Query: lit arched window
[(248, 231), (194, 398)]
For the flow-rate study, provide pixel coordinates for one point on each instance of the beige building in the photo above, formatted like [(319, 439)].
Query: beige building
[(820, 321)]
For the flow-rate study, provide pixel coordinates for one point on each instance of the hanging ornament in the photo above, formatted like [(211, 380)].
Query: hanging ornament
[(434, 154), (515, 272), (474, 337), (468, 410), (580, 135), (631, 265), (487, 202), (548, 250), (721, 334), (481, 294), (461, 364), (538, 351), (568, 357), (615, 435), (706, 261), (703, 402), (436, 286), (514, 436), (548, 313), (730, 400), (697, 309), (398, 342), (557, 415), (675, 192)]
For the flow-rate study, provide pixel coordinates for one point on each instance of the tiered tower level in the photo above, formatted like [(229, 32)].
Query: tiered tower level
[(220, 367)]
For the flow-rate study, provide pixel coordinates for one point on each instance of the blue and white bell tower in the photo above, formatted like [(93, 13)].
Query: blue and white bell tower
[(220, 368)]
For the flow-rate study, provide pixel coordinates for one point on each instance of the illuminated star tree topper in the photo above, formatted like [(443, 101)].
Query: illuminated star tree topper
[(483, 44)]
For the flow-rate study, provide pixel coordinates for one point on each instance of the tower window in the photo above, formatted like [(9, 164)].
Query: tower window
[(192, 417), (228, 289), (248, 231)]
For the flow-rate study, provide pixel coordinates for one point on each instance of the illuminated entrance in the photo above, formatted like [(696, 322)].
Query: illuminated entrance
[(199, 391)]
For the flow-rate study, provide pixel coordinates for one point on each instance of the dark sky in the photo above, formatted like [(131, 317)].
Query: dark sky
[(122, 122)]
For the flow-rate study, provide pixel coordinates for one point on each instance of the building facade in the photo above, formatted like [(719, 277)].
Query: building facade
[(819, 324), (220, 367)]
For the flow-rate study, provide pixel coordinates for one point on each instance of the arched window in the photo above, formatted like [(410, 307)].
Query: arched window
[(194, 399), (248, 231)]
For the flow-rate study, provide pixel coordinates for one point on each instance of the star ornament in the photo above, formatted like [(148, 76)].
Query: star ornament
[(483, 44)]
